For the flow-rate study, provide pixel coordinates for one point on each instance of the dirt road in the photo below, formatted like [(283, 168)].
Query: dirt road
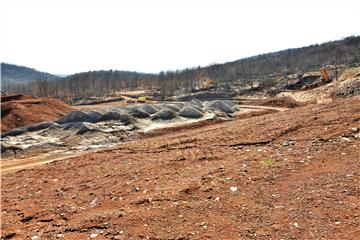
[(284, 175)]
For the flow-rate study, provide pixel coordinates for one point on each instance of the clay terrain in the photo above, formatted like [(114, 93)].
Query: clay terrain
[(292, 174), (19, 110)]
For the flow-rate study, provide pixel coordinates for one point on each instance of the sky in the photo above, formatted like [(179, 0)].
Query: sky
[(69, 36)]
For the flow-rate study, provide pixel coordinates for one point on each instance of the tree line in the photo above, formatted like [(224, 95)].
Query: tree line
[(261, 70)]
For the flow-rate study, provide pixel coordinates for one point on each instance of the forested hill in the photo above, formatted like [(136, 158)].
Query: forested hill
[(340, 52), (104, 82), (266, 69), (11, 73), (345, 51)]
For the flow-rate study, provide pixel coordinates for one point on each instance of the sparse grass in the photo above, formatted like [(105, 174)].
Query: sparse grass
[(268, 163)]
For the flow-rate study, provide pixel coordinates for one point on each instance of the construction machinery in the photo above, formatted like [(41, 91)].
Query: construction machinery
[(325, 74), (141, 99)]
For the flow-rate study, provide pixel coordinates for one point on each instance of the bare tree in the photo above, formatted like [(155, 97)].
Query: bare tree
[(41, 87), (162, 84)]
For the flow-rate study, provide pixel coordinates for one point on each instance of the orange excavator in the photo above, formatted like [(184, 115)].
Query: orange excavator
[(207, 85), (325, 74)]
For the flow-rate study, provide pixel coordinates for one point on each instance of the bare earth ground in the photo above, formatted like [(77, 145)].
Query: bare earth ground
[(19, 110), (40, 156), (287, 175)]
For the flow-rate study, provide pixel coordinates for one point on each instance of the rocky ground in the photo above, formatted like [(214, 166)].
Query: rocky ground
[(348, 84), (287, 175)]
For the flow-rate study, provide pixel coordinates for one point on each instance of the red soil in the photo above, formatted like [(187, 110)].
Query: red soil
[(280, 102), (285, 175), (19, 111)]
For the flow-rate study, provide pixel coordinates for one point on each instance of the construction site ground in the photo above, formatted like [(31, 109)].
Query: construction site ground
[(291, 174), (19, 110), (39, 156)]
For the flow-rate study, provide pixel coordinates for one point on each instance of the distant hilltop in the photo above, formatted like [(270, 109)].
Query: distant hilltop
[(265, 72), (11, 73)]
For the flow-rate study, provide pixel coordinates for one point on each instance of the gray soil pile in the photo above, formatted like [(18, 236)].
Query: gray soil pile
[(219, 106), (190, 112), (165, 114), (350, 88), (83, 130)]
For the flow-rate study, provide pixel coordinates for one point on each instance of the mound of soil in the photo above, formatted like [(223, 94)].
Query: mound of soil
[(19, 110), (15, 97), (306, 82), (279, 102), (220, 106), (348, 89), (117, 115), (197, 102), (136, 112), (165, 114), (171, 107), (190, 112), (80, 116), (149, 108)]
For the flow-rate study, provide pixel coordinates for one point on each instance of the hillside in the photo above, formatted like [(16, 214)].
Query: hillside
[(277, 70), (267, 70), (11, 73), (345, 51)]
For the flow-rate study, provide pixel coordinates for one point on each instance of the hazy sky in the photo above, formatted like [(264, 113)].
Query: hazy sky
[(71, 36)]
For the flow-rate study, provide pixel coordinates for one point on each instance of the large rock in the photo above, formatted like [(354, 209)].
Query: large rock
[(219, 105), (190, 112), (165, 114)]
